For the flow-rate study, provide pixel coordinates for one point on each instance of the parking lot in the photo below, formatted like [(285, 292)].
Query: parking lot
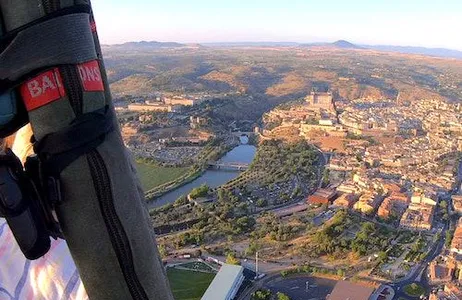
[(302, 287)]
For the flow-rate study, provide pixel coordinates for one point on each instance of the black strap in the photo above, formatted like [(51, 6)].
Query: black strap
[(63, 40), (7, 37), (12, 184), (59, 149)]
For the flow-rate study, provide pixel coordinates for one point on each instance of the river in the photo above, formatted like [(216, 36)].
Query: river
[(212, 178)]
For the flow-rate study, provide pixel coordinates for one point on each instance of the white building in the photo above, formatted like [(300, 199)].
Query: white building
[(225, 284)]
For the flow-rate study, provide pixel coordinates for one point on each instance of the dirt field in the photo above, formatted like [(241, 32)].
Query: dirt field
[(330, 142)]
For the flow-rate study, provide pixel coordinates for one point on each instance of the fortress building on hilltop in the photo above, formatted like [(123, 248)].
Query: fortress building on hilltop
[(317, 100)]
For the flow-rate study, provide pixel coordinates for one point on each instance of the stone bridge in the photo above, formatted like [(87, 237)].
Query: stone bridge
[(239, 166)]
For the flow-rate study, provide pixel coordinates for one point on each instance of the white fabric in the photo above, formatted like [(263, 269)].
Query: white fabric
[(51, 277)]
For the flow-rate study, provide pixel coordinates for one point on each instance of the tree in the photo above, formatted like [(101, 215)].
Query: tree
[(325, 177), (445, 216), (282, 296), (448, 239), (368, 227), (253, 247), (180, 201), (201, 191), (341, 273), (232, 260), (382, 256), (261, 295), (245, 223), (443, 204), (262, 202), (162, 250)]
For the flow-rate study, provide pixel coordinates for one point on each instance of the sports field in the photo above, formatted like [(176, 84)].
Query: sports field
[(152, 176), (188, 285)]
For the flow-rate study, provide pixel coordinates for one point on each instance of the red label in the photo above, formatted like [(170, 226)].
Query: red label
[(90, 75), (93, 26), (43, 89)]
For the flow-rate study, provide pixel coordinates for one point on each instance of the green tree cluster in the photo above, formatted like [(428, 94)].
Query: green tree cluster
[(261, 295), (199, 192), (232, 260), (282, 296)]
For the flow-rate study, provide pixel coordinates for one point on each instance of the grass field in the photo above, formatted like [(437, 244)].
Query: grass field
[(152, 176), (188, 285)]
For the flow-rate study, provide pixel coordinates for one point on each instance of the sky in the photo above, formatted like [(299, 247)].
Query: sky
[(428, 23)]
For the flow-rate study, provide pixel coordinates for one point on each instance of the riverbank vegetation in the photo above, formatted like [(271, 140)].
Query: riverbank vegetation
[(157, 179), (199, 192), (285, 172)]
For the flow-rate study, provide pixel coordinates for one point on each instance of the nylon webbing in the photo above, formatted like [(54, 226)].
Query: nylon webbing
[(63, 40), (59, 149)]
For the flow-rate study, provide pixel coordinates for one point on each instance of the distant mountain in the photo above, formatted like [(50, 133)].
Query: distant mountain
[(147, 45), (440, 52), (344, 44), (338, 44)]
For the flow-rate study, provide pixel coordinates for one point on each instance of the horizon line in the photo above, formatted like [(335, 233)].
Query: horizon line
[(284, 42)]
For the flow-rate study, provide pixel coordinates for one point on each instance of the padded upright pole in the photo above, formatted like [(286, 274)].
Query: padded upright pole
[(51, 55)]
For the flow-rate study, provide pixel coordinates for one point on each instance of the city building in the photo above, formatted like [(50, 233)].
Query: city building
[(180, 100), (348, 188), (321, 196), (421, 198), (456, 244), (453, 290), (441, 272), (150, 107), (418, 216), (457, 203), (197, 122), (344, 290), (346, 200), (318, 101), (394, 204), (225, 284), (368, 202)]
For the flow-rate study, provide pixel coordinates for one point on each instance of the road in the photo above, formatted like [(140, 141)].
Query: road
[(419, 269)]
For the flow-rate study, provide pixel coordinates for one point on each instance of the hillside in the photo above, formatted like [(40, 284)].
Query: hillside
[(277, 74)]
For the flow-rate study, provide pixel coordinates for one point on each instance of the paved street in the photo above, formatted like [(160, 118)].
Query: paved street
[(303, 287)]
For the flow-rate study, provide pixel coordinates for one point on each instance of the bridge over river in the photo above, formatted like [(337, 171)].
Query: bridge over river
[(229, 165)]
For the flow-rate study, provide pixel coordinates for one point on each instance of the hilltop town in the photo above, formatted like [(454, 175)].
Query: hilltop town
[(390, 163)]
